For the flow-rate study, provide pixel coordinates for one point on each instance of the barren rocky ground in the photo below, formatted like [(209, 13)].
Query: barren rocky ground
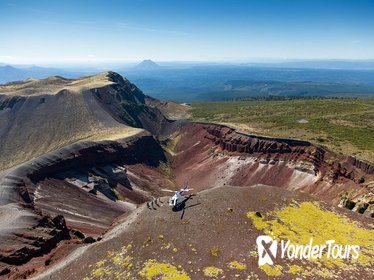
[(215, 238)]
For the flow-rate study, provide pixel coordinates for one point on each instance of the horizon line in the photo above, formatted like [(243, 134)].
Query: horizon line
[(223, 61)]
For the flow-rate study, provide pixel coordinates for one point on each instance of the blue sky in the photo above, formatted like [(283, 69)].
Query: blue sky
[(184, 30)]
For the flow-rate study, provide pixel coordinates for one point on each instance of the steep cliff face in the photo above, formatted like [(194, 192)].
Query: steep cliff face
[(209, 155), (228, 139), (33, 242), (232, 141), (127, 104), (364, 166)]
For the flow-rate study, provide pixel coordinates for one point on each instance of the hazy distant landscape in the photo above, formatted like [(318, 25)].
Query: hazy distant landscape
[(216, 82)]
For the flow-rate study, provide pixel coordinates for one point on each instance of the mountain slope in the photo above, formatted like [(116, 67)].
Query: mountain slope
[(100, 107)]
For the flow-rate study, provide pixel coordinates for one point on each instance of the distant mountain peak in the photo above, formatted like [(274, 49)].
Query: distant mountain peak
[(7, 66), (147, 64)]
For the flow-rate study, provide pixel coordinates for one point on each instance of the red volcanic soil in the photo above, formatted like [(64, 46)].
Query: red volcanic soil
[(213, 155)]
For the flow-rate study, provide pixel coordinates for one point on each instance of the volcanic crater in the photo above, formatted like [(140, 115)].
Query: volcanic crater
[(93, 151)]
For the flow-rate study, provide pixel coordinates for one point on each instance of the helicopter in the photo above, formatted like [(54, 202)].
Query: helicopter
[(173, 201)]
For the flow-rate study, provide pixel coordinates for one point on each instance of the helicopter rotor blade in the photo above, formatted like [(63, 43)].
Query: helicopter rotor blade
[(166, 190)]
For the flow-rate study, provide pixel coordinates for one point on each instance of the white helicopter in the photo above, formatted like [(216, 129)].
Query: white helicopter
[(173, 201)]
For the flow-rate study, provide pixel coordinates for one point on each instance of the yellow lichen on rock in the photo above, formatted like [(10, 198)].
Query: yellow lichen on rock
[(100, 263), (98, 272), (237, 265), (253, 254), (212, 271), (258, 222), (163, 271), (275, 270), (117, 264), (295, 269), (301, 222), (102, 272)]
